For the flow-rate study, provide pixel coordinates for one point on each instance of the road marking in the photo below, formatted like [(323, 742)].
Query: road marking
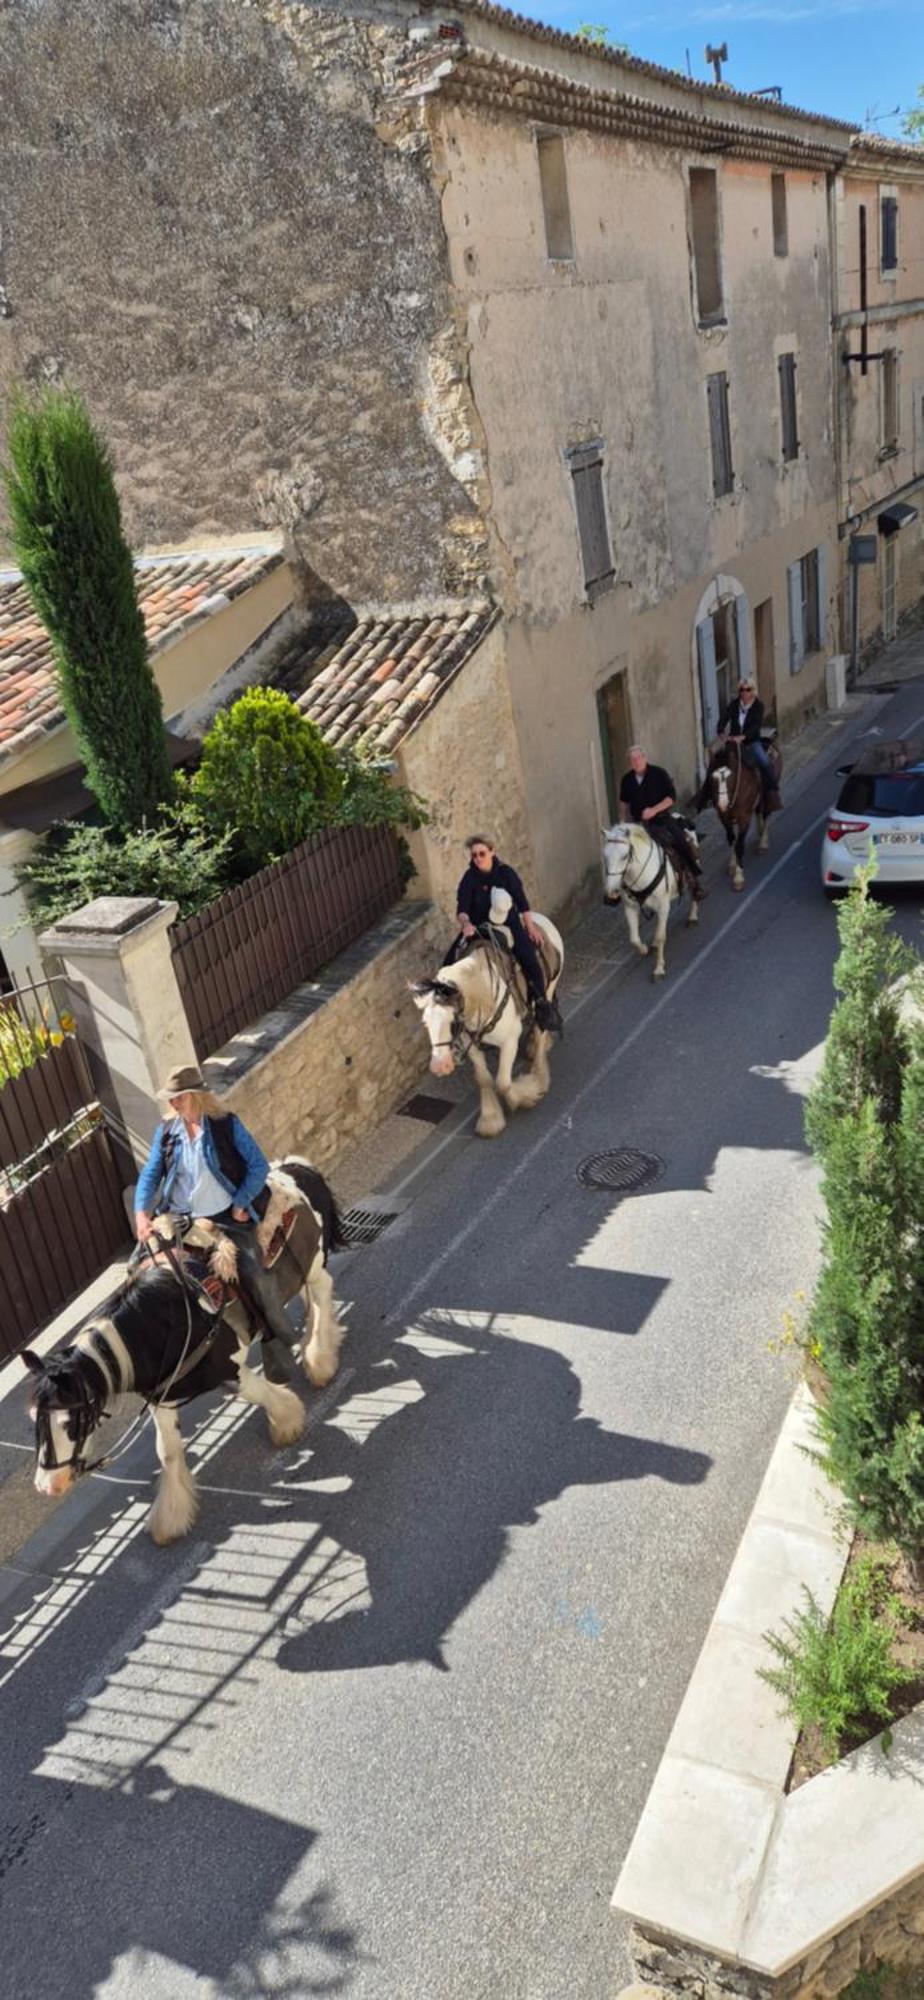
[(478, 1219)]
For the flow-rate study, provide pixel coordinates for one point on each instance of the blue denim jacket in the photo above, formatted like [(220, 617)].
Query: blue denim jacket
[(153, 1189)]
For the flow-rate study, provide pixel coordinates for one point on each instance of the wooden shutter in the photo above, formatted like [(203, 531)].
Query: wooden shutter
[(888, 212), (796, 621), (708, 680), (788, 410), (743, 631), (821, 559), (587, 480), (719, 434)]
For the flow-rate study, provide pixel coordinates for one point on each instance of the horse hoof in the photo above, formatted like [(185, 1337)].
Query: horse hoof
[(643, 950), (488, 1131), (737, 884), (763, 846)]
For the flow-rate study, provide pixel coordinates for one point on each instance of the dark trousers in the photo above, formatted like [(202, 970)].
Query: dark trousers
[(259, 1283), (526, 955), (674, 835), (758, 757)]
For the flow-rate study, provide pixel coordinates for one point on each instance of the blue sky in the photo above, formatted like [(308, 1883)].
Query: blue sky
[(850, 58)]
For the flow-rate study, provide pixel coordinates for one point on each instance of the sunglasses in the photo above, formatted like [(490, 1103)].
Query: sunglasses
[(478, 852)]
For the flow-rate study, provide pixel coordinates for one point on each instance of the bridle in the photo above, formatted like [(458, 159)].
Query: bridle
[(462, 1039), (87, 1412), (640, 893)]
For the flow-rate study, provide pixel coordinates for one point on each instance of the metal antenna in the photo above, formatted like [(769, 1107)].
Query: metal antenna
[(716, 57)]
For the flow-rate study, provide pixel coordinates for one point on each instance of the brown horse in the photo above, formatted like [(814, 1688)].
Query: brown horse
[(737, 796)]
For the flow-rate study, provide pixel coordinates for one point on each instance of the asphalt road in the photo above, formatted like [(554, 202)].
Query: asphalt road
[(384, 1724)]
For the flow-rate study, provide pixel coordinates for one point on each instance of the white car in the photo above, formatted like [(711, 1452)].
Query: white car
[(880, 806)]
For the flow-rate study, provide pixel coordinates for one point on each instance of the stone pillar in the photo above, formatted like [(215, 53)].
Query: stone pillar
[(127, 1006), (18, 942)]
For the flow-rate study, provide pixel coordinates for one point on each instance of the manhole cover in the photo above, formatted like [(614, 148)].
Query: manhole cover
[(624, 1172), (363, 1225)]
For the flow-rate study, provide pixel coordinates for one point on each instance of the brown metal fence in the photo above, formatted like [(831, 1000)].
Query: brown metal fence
[(61, 1212), (248, 950)]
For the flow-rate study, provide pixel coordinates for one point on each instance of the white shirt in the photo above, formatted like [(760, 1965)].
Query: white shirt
[(195, 1189)]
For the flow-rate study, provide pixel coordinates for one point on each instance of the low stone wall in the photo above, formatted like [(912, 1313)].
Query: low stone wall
[(318, 1072), (892, 1933), (736, 1889)]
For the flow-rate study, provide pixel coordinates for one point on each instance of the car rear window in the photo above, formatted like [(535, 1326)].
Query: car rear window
[(886, 796)]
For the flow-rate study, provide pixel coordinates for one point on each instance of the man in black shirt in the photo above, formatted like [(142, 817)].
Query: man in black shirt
[(484, 874), (648, 795)]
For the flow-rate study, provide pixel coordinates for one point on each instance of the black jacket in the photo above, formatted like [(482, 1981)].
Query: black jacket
[(475, 889), (656, 784), (731, 726)]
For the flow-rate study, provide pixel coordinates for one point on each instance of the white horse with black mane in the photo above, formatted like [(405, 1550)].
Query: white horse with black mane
[(644, 876), (158, 1338), (480, 1002)]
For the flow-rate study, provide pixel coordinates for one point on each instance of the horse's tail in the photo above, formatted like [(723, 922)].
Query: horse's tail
[(322, 1199)]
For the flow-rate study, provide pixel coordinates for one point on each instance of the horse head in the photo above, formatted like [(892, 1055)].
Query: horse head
[(69, 1400), (441, 1005), (617, 853)]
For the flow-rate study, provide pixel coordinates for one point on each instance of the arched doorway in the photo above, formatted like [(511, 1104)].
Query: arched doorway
[(721, 651)]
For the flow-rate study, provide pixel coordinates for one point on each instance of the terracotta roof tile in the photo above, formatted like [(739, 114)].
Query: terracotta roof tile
[(175, 590), (366, 679)]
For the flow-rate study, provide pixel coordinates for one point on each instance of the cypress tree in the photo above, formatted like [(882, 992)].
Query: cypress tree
[(78, 571), (867, 1317)]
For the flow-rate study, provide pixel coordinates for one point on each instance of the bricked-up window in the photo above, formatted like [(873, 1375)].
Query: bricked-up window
[(585, 462), (888, 232), (780, 221), (889, 396), (553, 180), (707, 268), (789, 417), (723, 477)]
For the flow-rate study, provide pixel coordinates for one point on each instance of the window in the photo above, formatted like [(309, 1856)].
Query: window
[(553, 180), (888, 232), (780, 222), (723, 478), (704, 215), (807, 606), (789, 417), (889, 400), (585, 462)]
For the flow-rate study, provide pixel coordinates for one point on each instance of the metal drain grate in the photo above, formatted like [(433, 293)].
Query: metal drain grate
[(363, 1225), (623, 1172), (430, 1110)]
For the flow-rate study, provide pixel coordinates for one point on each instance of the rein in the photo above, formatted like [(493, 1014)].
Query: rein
[(475, 1036), (641, 895), (87, 1413)]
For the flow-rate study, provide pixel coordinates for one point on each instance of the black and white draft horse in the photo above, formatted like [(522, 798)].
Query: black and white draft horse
[(155, 1339)]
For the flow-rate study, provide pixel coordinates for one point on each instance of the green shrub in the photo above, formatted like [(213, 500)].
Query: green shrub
[(175, 859), (78, 571), (835, 1673), (368, 797), (866, 1044), (267, 777)]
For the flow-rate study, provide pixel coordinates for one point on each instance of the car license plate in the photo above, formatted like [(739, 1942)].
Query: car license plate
[(897, 839)]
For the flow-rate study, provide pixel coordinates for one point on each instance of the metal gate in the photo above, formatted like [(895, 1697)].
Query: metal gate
[(62, 1217)]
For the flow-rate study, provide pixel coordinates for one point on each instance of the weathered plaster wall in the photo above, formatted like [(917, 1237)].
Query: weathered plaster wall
[(203, 228), (871, 474), (608, 346), (464, 758)]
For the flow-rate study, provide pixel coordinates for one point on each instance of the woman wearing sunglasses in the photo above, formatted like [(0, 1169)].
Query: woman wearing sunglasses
[(484, 874)]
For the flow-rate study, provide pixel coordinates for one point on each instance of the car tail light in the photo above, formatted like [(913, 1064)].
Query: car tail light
[(838, 827)]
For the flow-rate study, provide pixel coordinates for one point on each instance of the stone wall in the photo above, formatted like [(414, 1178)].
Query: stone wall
[(209, 226), (316, 1074), (892, 1933)]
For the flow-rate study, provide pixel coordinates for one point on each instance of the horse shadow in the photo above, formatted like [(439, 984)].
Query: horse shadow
[(494, 1435)]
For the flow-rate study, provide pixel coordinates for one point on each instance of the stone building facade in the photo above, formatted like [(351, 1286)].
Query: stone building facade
[(878, 224), (469, 309)]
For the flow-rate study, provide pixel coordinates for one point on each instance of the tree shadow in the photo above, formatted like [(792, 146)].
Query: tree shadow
[(157, 1870)]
